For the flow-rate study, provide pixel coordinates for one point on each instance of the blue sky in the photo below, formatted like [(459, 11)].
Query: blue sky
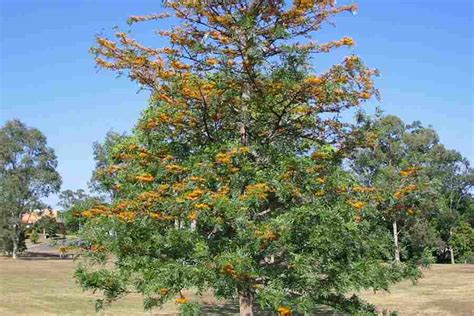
[(423, 48)]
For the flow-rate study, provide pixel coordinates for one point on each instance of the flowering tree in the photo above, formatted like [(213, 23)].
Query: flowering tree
[(230, 180)]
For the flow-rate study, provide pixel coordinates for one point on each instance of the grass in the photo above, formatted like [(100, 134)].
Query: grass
[(45, 287), (444, 290)]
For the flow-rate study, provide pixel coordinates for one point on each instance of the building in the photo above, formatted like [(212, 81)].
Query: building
[(31, 218)]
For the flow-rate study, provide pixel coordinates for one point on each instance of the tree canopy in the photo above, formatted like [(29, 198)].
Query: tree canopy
[(231, 180), (27, 174)]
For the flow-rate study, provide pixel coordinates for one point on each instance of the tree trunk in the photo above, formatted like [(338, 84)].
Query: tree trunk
[(451, 251), (15, 241), (15, 248), (246, 304), (451, 254), (395, 240)]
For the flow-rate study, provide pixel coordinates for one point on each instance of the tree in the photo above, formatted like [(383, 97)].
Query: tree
[(27, 174), (455, 180), (47, 224), (74, 203), (102, 180), (394, 167), (462, 242), (230, 179), (69, 198)]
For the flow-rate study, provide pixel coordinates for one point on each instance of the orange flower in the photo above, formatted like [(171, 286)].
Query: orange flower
[(164, 291), (168, 50), (408, 172), (270, 235), (87, 214), (192, 216), (258, 190), (181, 300), (212, 61), (194, 195), (145, 178), (347, 41), (313, 80), (126, 216), (357, 204), (362, 189), (155, 215), (319, 193), (223, 158), (97, 248), (179, 65), (365, 95), (228, 269), (201, 206), (196, 179), (174, 168), (284, 311)]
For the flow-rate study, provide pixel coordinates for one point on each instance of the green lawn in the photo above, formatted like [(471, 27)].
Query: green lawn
[(46, 287)]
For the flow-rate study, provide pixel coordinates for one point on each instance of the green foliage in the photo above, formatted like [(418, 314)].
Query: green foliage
[(74, 204), (100, 182), (34, 236), (27, 174), (463, 243), (421, 241), (6, 242), (423, 187), (191, 309), (47, 224)]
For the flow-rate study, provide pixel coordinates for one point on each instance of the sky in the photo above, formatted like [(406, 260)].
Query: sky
[(423, 49)]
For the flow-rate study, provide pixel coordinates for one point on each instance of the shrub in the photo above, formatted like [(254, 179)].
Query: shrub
[(34, 236)]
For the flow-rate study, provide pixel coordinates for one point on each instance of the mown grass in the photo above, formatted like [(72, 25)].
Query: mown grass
[(46, 287)]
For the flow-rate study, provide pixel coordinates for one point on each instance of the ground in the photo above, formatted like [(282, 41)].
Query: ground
[(44, 285), (445, 289)]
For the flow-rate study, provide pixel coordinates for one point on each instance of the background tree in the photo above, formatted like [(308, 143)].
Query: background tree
[(49, 225), (102, 180), (462, 242), (74, 203), (395, 165), (68, 198), (226, 179), (455, 180), (27, 174)]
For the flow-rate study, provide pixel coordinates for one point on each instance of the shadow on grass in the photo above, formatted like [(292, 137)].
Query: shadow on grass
[(232, 308), (42, 256)]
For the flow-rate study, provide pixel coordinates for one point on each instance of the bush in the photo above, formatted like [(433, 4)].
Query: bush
[(191, 309), (34, 236)]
